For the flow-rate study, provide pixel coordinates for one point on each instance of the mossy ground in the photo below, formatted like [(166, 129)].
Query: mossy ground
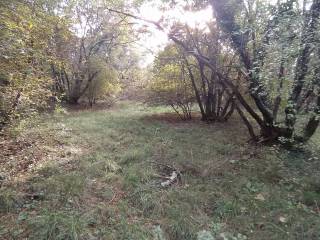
[(97, 180)]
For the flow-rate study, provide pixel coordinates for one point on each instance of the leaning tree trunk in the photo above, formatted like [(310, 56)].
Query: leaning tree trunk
[(215, 104), (270, 131)]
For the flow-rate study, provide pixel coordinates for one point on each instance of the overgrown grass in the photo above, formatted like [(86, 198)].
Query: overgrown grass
[(102, 182)]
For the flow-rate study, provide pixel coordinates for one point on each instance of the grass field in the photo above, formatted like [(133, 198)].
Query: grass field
[(95, 175)]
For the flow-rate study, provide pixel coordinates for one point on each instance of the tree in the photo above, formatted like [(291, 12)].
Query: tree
[(170, 84), (57, 49), (98, 33), (213, 105), (105, 84), (254, 44), (215, 101), (26, 32)]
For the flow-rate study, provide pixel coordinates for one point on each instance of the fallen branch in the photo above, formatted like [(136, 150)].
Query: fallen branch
[(172, 179)]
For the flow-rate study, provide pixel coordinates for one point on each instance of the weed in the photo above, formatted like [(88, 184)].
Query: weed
[(227, 209), (133, 155), (9, 200), (311, 198), (57, 225), (62, 187)]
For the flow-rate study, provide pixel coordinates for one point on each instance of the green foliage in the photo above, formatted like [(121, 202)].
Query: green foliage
[(99, 51), (276, 44), (106, 84), (47, 53), (170, 84), (27, 30)]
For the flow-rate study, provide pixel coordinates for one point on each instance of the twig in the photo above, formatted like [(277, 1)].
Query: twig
[(137, 17), (173, 178)]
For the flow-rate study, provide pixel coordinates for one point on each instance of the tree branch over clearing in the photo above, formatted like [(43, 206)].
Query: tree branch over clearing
[(204, 60), (157, 24)]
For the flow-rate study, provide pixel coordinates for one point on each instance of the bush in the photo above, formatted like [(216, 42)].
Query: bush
[(170, 84)]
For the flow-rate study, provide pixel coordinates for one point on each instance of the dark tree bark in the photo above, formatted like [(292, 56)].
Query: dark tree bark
[(226, 18), (307, 40), (196, 91), (265, 116)]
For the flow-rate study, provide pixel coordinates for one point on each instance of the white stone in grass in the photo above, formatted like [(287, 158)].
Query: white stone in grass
[(205, 235), (282, 219), (158, 233)]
